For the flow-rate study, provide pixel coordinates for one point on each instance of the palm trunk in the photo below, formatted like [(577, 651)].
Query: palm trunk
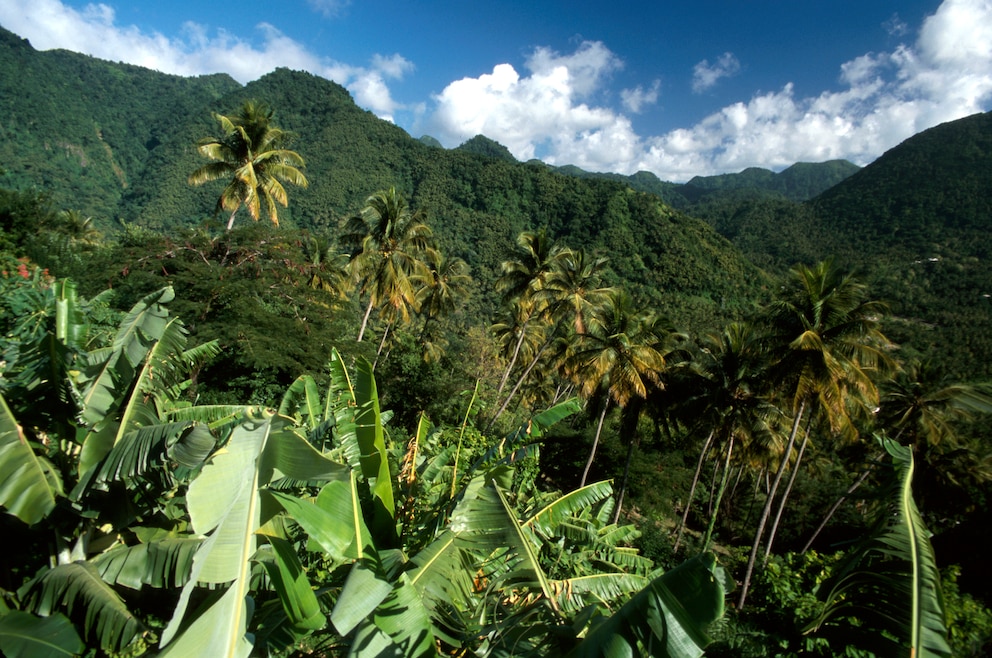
[(767, 509), (692, 492), (523, 377), (382, 343), (785, 496), (595, 443), (365, 321), (719, 496), (635, 411), (840, 501), (513, 359), (230, 221)]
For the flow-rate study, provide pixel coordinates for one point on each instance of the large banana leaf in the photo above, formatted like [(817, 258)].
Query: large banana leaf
[(78, 588), (137, 404), (291, 584), (372, 442), (668, 618), (333, 521), (28, 482), (164, 563), (545, 520), (100, 386), (890, 584), (224, 503), (23, 635)]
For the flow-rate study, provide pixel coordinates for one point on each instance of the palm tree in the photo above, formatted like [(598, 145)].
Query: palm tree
[(520, 278), (825, 344), (250, 153), (617, 358), (923, 408), (445, 282), (572, 288), (564, 293), (388, 244), (726, 374), (327, 268)]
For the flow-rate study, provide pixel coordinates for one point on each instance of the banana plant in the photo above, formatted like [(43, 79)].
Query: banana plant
[(890, 583), (229, 513)]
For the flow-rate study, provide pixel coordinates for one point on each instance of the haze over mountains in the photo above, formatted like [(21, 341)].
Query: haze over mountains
[(116, 142)]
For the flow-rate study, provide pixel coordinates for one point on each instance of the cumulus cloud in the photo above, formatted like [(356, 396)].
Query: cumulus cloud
[(634, 100), (882, 99), (543, 114), (706, 75), (560, 107), (198, 50)]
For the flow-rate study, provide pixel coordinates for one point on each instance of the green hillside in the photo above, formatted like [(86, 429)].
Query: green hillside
[(453, 403), (86, 131), (915, 222), (133, 153)]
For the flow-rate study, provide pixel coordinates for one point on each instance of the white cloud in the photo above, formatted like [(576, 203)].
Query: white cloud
[(556, 106), (883, 98), (705, 75), (543, 114), (329, 8), (634, 100), (196, 51), (895, 26)]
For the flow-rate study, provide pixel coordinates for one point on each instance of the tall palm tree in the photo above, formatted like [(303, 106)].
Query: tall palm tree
[(444, 283), (825, 343), (923, 408), (520, 278), (573, 290), (388, 245), (617, 358), (567, 291), (726, 377), (252, 154)]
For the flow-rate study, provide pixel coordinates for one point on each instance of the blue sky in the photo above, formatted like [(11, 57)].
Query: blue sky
[(676, 88)]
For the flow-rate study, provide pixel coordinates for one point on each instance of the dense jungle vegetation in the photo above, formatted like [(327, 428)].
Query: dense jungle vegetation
[(414, 401)]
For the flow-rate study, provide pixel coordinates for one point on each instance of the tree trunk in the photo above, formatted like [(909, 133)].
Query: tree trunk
[(719, 496), (692, 492), (595, 443), (785, 496), (634, 409), (513, 359), (767, 509), (523, 377), (382, 343), (230, 221), (365, 321), (840, 501)]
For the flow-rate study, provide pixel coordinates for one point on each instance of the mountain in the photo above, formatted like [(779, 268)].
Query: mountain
[(122, 151), (801, 181), (85, 130), (915, 223)]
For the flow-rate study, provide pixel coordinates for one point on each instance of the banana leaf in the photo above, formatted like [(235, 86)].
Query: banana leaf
[(890, 583), (668, 618), (29, 484), (24, 635), (77, 587)]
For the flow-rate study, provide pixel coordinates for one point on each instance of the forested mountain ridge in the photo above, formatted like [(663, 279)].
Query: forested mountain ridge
[(83, 129), (915, 223), (122, 164)]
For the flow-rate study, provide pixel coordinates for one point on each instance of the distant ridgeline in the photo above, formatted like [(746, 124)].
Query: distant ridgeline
[(114, 141)]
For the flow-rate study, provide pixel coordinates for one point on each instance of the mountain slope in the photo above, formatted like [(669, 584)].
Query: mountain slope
[(72, 118), (476, 204)]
